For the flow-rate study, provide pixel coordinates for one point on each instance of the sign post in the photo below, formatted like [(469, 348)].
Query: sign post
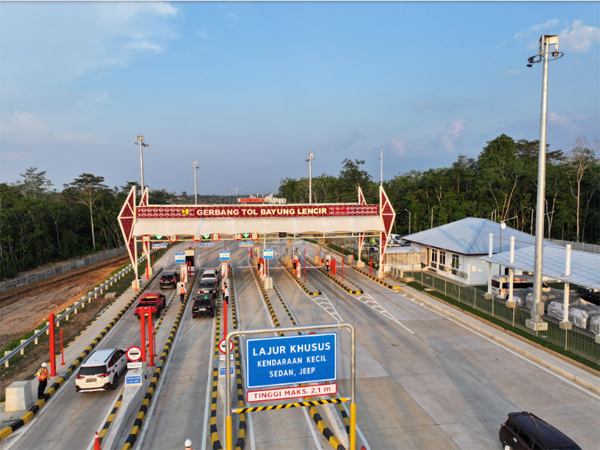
[(319, 362)]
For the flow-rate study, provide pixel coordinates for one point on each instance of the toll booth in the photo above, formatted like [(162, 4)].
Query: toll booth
[(190, 258)]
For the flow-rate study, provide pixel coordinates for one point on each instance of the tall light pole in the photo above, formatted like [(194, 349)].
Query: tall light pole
[(309, 161), (409, 219), (195, 182), (140, 141), (537, 310)]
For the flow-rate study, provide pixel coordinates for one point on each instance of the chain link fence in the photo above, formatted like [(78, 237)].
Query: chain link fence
[(57, 270), (577, 340)]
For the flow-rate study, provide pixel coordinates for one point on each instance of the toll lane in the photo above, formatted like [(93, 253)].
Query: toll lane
[(178, 411), (72, 418)]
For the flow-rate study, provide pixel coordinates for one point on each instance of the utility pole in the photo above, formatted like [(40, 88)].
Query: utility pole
[(309, 160), (409, 219), (140, 141), (195, 182)]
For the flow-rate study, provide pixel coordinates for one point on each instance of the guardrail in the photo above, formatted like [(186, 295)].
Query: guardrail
[(582, 246), (76, 305), (57, 270)]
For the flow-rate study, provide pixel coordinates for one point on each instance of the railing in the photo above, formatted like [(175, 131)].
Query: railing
[(578, 341), (582, 246), (76, 305), (57, 270)]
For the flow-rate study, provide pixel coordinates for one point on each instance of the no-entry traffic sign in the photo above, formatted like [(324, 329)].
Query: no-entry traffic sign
[(222, 347), (134, 353)]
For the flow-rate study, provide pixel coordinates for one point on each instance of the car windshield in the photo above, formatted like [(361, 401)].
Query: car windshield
[(201, 302), (93, 370)]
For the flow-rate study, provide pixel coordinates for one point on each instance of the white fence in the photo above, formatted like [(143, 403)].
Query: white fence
[(582, 246), (57, 270)]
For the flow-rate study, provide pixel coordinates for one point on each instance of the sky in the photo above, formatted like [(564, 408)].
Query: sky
[(248, 89)]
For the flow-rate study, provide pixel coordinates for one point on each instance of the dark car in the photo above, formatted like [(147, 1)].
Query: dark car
[(208, 287), (589, 294), (203, 304), (169, 279), (524, 430)]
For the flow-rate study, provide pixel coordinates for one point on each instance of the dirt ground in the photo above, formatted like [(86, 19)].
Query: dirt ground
[(22, 309)]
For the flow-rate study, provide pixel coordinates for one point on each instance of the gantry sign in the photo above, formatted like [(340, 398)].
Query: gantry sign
[(156, 223)]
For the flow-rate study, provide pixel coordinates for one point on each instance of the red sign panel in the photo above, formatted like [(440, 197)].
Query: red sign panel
[(312, 390), (224, 212)]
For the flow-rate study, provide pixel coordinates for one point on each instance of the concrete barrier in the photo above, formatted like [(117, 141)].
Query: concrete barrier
[(18, 396)]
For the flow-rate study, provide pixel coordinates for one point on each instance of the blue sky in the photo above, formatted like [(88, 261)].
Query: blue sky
[(248, 89)]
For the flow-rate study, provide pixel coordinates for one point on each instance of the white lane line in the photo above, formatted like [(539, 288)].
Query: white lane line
[(160, 382), (312, 431), (507, 349), (208, 393)]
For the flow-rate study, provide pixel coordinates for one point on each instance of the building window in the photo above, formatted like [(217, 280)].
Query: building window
[(433, 255), (455, 261), (442, 258)]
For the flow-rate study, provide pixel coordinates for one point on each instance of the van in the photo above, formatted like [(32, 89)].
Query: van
[(501, 284)]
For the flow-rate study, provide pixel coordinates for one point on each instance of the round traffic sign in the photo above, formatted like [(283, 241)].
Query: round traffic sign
[(173, 238), (215, 237), (197, 238), (146, 238), (134, 353), (222, 346)]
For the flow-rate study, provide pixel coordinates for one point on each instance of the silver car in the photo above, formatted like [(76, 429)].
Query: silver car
[(101, 371)]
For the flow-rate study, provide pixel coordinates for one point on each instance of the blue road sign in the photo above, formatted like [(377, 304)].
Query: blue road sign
[(160, 245), (179, 257), (284, 360), (135, 379), (224, 255), (222, 370), (268, 253)]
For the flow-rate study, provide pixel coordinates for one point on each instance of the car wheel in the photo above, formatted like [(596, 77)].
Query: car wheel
[(115, 382)]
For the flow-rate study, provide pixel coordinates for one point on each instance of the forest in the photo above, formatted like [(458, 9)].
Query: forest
[(40, 224)]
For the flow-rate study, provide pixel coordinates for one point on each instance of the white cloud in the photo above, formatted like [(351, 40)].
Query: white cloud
[(399, 147), (544, 26), (453, 132), (566, 122), (25, 128), (203, 34), (579, 37), (501, 44), (232, 16), (513, 72)]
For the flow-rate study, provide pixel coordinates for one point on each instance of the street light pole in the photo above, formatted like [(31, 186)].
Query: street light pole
[(140, 141), (195, 182), (409, 219), (309, 160), (536, 323)]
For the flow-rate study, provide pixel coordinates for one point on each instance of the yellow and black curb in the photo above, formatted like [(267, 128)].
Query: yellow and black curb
[(214, 433), (111, 417), (291, 405), (7, 431), (141, 416), (358, 289), (241, 440), (295, 278), (368, 275), (314, 413), (267, 301)]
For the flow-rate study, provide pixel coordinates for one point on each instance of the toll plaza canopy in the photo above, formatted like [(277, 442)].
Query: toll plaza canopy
[(584, 266), (229, 220), (152, 223)]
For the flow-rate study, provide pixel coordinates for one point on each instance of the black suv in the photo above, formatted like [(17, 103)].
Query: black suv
[(207, 287), (589, 294), (203, 304), (524, 430), (169, 279)]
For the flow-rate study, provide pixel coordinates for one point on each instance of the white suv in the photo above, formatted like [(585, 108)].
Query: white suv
[(210, 275), (101, 370)]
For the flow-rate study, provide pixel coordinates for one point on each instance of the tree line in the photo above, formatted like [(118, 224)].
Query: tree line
[(40, 225), (501, 183)]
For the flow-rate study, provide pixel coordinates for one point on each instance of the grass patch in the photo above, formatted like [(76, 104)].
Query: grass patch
[(538, 340)]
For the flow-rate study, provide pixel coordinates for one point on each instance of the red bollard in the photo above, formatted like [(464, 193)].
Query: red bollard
[(383, 268), (150, 336), (97, 442), (147, 271), (62, 352), (52, 353), (342, 263), (143, 323), (371, 266), (153, 260), (224, 319)]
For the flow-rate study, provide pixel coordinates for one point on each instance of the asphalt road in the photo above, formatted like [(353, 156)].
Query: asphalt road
[(422, 381)]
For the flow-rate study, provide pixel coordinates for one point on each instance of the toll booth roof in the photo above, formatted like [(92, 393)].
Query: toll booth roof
[(292, 225)]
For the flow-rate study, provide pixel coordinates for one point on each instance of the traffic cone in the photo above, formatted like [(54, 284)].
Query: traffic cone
[(97, 443)]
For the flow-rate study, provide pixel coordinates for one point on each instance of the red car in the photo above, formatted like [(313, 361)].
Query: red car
[(155, 300)]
